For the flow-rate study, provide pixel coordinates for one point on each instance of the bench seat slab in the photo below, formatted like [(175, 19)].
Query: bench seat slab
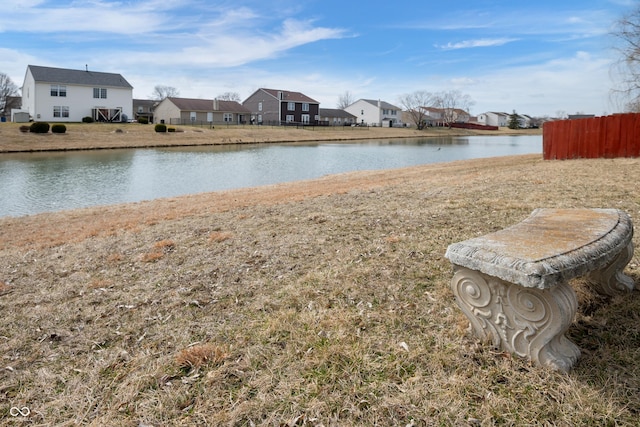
[(513, 285)]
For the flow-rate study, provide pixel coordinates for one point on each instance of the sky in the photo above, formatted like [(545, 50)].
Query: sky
[(540, 58)]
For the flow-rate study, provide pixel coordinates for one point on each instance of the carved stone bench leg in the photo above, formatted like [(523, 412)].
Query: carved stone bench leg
[(610, 280), (529, 322)]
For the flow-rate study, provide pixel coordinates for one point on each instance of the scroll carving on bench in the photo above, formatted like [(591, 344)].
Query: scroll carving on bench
[(513, 284)]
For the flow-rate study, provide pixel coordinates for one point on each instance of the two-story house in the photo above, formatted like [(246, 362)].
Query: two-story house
[(281, 107), (492, 118), (370, 112), (186, 111), (64, 95)]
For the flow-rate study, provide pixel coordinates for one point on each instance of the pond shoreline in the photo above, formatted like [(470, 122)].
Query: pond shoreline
[(132, 135)]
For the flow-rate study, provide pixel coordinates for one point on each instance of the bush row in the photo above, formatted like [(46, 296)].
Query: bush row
[(43, 127), (161, 127)]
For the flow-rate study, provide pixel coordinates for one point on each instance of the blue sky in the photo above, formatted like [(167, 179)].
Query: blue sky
[(537, 57)]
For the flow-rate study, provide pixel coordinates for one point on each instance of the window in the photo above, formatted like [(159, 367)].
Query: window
[(305, 106), (100, 93), (140, 109), (259, 106), (305, 119), (58, 90), (289, 118), (291, 106), (192, 116), (209, 116), (60, 111), (228, 117)]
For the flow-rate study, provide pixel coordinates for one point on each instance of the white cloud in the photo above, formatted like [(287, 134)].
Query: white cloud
[(467, 44)]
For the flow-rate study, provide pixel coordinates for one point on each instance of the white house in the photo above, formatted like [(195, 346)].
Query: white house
[(491, 118), (375, 113), (63, 95)]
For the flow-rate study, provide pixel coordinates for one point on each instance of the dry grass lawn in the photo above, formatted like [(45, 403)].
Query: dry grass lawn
[(315, 303), (81, 136)]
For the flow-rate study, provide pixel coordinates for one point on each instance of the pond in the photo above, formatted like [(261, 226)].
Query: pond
[(42, 182)]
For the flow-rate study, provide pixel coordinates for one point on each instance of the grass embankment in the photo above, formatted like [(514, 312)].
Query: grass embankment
[(81, 136), (322, 302)]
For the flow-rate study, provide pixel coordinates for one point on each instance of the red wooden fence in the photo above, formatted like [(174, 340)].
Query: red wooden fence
[(608, 137)]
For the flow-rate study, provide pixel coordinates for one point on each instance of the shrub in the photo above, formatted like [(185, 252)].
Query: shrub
[(58, 128), (87, 119), (171, 129), (161, 128), (39, 127), (24, 128), (143, 120)]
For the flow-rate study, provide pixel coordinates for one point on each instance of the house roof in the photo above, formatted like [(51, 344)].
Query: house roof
[(335, 112), (384, 105), (191, 104), (290, 96), (77, 77)]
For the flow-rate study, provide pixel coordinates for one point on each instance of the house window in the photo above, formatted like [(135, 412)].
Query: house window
[(305, 106), (305, 119), (192, 116), (60, 111), (291, 106), (289, 118), (140, 109), (100, 93), (58, 90), (259, 106), (209, 116), (228, 117)]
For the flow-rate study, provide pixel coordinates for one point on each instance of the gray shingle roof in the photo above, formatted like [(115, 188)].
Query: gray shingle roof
[(290, 96), (335, 112), (191, 104), (383, 104), (77, 77)]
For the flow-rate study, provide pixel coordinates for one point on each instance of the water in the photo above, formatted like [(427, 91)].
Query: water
[(43, 182)]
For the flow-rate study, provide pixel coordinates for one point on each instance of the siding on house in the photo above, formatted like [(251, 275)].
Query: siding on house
[(336, 117), (64, 95), (372, 112), (186, 111), (278, 107)]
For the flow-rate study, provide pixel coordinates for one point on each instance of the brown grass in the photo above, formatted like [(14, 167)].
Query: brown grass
[(327, 303), (130, 135)]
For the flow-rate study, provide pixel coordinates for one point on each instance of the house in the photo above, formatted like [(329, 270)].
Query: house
[(186, 111), (336, 117), (435, 116), (281, 107), (372, 112), (143, 109), (64, 95), (492, 118)]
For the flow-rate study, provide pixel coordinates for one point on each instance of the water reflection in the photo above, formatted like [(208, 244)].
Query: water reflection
[(39, 182)]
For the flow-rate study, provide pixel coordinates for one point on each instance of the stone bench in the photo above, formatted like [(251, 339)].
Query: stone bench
[(513, 284)]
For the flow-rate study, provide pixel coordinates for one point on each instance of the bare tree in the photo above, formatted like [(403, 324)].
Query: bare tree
[(345, 100), (453, 103), (7, 89), (229, 96), (627, 33), (415, 103), (161, 92)]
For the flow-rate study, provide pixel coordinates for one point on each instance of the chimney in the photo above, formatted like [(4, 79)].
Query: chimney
[(280, 95), (86, 67), (215, 104)]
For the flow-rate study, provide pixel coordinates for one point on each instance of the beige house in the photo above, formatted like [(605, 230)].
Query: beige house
[(208, 112)]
